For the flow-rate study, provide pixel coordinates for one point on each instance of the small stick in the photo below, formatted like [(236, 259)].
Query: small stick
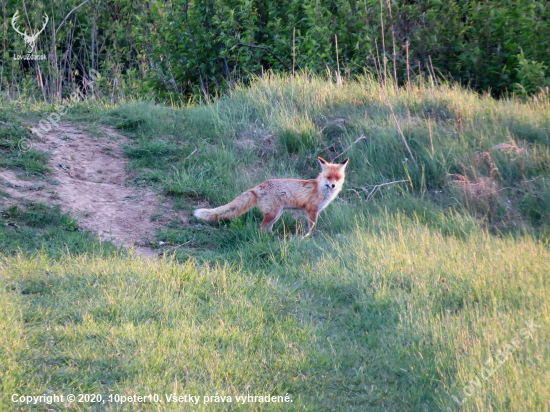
[(293, 51), (175, 247), (190, 155), (394, 55), (375, 188), (408, 66), (203, 88), (68, 14), (328, 147), (383, 43), (398, 127), (431, 65), (341, 145), (349, 147), (430, 129), (374, 60), (171, 74), (356, 192), (338, 77), (466, 197)]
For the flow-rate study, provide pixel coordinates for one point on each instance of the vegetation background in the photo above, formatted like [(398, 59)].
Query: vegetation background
[(433, 260), (177, 50)]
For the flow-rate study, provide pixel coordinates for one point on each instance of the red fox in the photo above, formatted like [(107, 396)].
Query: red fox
[(277, 195)]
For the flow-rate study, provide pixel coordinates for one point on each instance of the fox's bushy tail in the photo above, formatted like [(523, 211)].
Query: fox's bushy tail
[(233, 209)]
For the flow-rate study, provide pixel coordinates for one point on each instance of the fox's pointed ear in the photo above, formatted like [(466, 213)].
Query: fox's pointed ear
[(344, 163), (322, 162)]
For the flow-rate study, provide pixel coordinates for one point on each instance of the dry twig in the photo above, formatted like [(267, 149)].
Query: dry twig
[(349, 147), (192, 153), (372, 189), (397, 124), (68, 14)]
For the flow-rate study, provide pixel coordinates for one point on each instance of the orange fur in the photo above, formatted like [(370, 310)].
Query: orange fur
[(277, 195)]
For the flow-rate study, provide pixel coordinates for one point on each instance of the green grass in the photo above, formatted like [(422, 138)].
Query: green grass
[(280, 125), (36, 227), (179, 327), (395, 304), (394, 317), (16, 151)]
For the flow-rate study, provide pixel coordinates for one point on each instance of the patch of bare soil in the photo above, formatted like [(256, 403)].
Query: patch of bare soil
[(89, 181)]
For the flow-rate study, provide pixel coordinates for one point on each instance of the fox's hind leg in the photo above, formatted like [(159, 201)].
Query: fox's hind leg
[(270, 218)]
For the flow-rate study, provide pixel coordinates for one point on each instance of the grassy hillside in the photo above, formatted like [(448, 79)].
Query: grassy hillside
[(396, 303), (487, 158)]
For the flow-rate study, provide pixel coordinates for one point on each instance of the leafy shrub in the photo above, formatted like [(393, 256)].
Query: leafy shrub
[(176, 50), (531, 75)]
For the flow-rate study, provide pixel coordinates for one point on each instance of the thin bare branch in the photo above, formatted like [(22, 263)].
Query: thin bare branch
[(159, 74), (398, 127), (394, 54), (432, 67), (372, 189), (293, 50), (374, 60), (430, 130), (338, 77), (185, 8), (192, 153), (171, 74), (349, 147), (408, 66), (68, 14), (383, 42)]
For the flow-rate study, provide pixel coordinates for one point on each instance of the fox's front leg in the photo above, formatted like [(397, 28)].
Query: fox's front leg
[(312, 221)]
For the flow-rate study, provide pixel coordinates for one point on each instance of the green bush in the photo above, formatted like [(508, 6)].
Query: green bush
[(174, 51)]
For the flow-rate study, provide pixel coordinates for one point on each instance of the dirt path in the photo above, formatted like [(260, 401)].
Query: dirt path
[(88, 181)]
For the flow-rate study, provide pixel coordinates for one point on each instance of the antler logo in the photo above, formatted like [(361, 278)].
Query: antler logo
[(30, 40)]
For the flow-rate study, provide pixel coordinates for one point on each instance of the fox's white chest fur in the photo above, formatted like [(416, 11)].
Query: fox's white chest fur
[(329, 194)]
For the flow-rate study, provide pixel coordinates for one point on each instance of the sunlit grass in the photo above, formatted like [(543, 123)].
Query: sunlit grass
[(392, 317), (394, 304)]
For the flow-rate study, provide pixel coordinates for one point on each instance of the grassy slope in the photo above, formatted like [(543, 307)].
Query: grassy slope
[(395, 305)]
